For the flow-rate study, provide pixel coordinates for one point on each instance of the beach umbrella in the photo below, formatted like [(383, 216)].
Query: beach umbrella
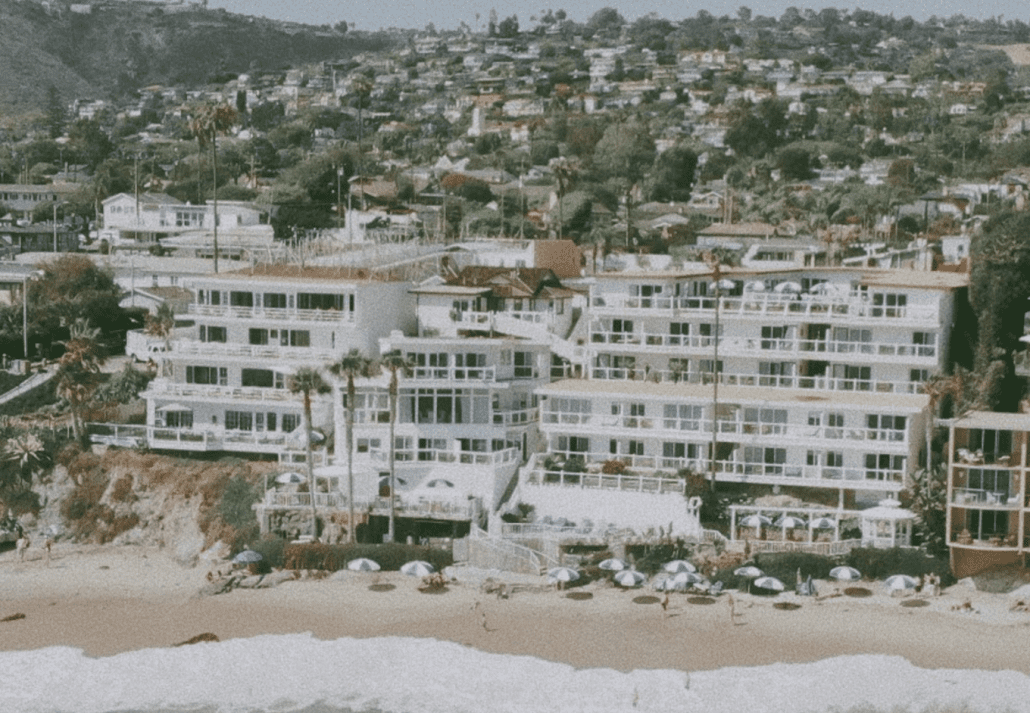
[(788, 286), (363, 564), (768, 583), (790, 521), (676, 566), (900, 581), (613, 564), (845, 574), (748, 572), (286, 478), (824, 523), (247, 557), (754, 286), (562, 574), (417, 568), (755, 521), (685, 579), (629, 578)]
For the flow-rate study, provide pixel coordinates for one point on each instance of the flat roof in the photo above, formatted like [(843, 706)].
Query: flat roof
[(994, 420), (871, 277), (742, 394), (296, 273), (449, 290)]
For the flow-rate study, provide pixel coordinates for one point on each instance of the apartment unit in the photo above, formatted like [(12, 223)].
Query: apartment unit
[(819, 378), (151, 215), (225, 388), (988, 502)]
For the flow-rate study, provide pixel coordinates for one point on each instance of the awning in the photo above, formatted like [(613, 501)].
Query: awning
[(173, 407)]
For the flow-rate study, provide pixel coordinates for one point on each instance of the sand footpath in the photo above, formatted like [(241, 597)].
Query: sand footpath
[(108, 600)]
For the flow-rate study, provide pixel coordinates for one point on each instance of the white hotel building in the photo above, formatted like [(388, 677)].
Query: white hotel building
[(820, 374)]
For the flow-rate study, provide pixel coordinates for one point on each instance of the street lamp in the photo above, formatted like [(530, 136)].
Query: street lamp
[(339, 177), (719, 285), (35, 274)]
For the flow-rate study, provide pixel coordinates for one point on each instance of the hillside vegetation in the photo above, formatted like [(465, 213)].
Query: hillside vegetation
[(117, 48)]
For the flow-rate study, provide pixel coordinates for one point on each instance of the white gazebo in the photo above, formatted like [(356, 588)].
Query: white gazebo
[(887, 525)]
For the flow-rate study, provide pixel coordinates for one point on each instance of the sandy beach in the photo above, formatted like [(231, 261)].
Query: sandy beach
[(109, 600)]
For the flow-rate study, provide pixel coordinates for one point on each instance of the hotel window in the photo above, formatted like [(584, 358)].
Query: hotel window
[(263, 378), (241, 299), (364, 445), (704, 367), (314, 300), (291, 422), (274, 300), (834, 425), (706, 331), (884, 466), (774, 337), (765, 420), (213, 375), (918, 376), (888, 304), (852, 340), (885, 427), (682, 417), (764, 461), (621, 328), (994, 444), (853, 378), (925, 343), (679, 332), (260, 336), (299, 337), (212, 334), (524, 365), (573, 444), (179, 419), (775, 373), (239, 420)]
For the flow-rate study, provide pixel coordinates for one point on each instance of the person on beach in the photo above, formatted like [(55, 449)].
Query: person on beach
[(665, 606), (21, 545), (733, 608), (477, 608), (48, 542)]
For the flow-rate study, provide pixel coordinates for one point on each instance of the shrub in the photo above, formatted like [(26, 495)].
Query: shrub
[(880, 563), (20, 502), (785, 565), (389, 556), (271, 550), (614, 467), (121, 491)]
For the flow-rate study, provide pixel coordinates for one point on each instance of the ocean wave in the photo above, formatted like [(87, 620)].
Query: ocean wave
[(300, 674)]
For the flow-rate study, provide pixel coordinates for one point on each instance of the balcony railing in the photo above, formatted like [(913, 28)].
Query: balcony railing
[(404, 506), (168, 389), (275, 352), (269, 313), (789, 381), (991, 499), (853, 306), (515, 417), (448, 455), (748, 346), (601, 481), (455, 373), (669, 425)]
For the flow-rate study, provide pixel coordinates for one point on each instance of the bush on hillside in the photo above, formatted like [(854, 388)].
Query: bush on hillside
[(880, 563), (389, 556)]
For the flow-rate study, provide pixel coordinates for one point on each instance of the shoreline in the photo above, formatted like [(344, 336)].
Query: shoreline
[(107, 600)]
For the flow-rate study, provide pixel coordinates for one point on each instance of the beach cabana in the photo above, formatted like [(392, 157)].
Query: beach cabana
[(887, 525)]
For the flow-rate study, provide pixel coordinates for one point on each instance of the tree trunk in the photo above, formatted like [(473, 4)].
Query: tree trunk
[(351, 538), (311, 465), (393, 423)]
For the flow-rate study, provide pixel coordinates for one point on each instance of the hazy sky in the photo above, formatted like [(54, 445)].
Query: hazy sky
[(446, 14)]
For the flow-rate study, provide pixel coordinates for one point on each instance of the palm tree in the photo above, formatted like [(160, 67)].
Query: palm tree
[(308, 381), (395, 363), (78, 370), (351, 366), (715, 264), (208, 122), (161, 324), (362, 86)]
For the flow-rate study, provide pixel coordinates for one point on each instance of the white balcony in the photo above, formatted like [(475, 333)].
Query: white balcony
[(447, 455), (842, 308), (250, 394), (486, 374), (202, 439), (272, 314), (403, 506), (630, 342), (987, 499), (790, 381), (264, 352)]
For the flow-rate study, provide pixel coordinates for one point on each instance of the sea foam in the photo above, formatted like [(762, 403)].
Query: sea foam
[(400, 675)]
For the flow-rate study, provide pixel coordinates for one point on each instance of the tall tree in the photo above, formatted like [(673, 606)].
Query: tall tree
[(395, 363), (78, 371), (351, 366), (622, 156), (308, 382), (207, 123)]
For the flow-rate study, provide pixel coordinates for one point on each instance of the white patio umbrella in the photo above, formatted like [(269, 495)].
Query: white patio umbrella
[(613, 564), (845, 574), (790, 521), (749, 571), (247, 557), (562, 574), (824, 523), (676, 566), (417, 568), (363, 564), (755, 521), (754, 286), (681, 581), (291, 477), (768, 583), (900, 581), (629, 578), (789, 286)]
